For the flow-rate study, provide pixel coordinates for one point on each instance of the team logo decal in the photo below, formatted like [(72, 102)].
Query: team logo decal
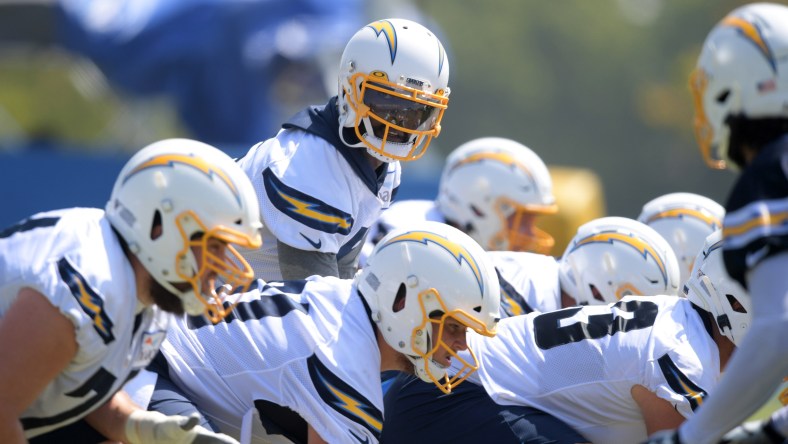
[(87, 298), (387, 29), (198, 163), (638, 244), (457, 251), (751, 32), (680, 213)]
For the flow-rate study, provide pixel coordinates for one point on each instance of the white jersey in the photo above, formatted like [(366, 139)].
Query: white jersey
[(74, 259), (311, 198), (307, 345), (580, 363), (529, 282)]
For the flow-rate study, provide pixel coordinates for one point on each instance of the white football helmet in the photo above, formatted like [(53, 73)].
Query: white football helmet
[(742, 70), (420, 276), (684, 220), (393, 89), (493, 188), (189, 188), (712, 289), (613, 257)]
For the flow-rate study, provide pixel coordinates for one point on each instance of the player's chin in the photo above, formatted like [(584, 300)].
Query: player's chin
[(165, 299)]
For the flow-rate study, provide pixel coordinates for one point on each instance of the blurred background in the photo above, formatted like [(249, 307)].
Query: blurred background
[(596, 87)]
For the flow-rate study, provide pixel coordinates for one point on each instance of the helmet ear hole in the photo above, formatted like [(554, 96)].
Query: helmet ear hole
[(596, 293), (735, 304), (399, 299), (156, 228)]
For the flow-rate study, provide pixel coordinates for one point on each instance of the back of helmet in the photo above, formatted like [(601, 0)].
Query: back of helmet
[(684, 220)]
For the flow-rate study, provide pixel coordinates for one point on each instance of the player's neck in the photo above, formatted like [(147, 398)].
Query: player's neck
[(374, 162), (142, 280), (391, 359), (725, 347)]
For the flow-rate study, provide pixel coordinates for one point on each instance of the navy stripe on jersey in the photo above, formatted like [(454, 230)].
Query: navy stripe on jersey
[(29, 224), (756, 219), (271, 303), (343, 398), (512, 302), (304, 208), (322, 122), (347, 247), (680, 383), (98, 385), (87, 298)]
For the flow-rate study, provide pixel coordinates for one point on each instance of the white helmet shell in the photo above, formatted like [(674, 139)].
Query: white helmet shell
[(712, 289), (613, 257), (422, 275), (489, 181), (684, 220), (742, 70), (393, 89), (195, 193)]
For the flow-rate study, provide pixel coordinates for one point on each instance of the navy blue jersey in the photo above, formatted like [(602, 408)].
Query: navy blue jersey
[(417, 412), (756, 222)]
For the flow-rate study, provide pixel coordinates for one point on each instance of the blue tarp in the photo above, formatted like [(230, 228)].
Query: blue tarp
[(230, 66)]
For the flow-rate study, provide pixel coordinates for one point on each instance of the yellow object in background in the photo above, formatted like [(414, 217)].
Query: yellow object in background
[(580, 198)]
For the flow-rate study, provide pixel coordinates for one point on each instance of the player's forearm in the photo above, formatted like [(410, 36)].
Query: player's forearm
[(313, 437), (298, 264), (757, 366), (10, 428), (110, 419), (748, 365)]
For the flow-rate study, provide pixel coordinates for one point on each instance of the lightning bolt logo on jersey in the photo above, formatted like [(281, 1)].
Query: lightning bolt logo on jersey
[(306, 209), (88, 299), (457, 251), (344, 398), (639, 245)]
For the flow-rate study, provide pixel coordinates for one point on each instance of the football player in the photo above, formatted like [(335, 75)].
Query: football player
[(84, 293), (740, 87), (685, 220), (609, 258), (617, 372), (311, 352), (325, 177), (493, 189)]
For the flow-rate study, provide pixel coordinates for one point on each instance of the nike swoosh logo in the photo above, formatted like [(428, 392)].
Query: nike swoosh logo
[(362, 441), (313, 243)]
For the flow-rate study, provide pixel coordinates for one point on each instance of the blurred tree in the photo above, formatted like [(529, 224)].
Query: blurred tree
[(600, 85)]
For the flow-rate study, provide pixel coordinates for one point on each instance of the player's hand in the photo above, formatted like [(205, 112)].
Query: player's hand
[(756, 432), (144, 427), (664, 437)]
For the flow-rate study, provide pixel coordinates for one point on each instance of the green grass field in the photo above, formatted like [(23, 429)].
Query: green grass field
[(773, 404)]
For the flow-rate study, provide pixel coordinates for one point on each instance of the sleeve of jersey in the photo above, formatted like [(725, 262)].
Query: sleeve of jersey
[(679, 380), (78, 301), (756, 224), (302, 220)]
